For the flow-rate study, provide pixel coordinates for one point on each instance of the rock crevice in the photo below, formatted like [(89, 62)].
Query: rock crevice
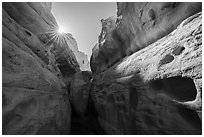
[(36, 70), (146, 72), (157, 89)]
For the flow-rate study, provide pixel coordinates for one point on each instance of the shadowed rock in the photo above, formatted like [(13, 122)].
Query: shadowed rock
[(34, 96), (79, 91), (156, 90), (34, 99)]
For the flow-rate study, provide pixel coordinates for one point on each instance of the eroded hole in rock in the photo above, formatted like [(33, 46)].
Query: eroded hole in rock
[(167, 59), (191, 116), (178, 88), (28, 33), (177, 51), (151, 14), (118, 104)]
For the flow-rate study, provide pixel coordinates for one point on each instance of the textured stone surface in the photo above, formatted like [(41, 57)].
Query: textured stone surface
[(81, 57), (38, 19), (156, 90), (79, 91), (14, 32), (138, 25), (34, 95), (32, 16), (34, 99)]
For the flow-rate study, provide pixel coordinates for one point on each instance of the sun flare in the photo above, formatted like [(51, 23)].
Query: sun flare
[(60, 30)]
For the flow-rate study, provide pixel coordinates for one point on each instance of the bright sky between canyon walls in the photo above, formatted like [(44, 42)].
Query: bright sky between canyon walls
[(82, 20)]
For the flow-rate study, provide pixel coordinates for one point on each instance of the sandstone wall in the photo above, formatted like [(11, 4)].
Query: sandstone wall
[(156, 90), (34, 96), (81, 57), (138, 25)]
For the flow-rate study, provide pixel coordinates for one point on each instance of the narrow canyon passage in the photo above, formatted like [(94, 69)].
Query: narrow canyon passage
[(88, 124), (144, 76)]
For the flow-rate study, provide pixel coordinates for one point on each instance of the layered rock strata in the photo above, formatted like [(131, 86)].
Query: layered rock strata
[(156, 90), (137, 25), (36, 63)]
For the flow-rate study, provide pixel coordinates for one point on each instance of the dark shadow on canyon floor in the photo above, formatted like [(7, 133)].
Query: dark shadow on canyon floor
[(87, 124)]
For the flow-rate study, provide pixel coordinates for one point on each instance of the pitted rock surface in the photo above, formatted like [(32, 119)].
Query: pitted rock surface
[(156, 90), (137, 25)]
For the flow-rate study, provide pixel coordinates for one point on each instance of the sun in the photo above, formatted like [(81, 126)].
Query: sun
[(60, 30)]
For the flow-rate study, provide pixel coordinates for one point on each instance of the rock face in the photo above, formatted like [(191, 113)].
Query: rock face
[(82, 58), (36, 63), (137, 25), (37, 18), (156, 90), (34, 99), (84, 115), (79, 91)]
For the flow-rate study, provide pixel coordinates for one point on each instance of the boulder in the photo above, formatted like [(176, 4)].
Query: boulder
[(156, 90), (79, 91), (138, 25)]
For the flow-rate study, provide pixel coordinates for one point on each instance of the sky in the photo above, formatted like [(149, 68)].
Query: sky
[(82, 20)]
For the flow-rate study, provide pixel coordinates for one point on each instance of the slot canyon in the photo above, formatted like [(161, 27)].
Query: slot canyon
[(144, 76)]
